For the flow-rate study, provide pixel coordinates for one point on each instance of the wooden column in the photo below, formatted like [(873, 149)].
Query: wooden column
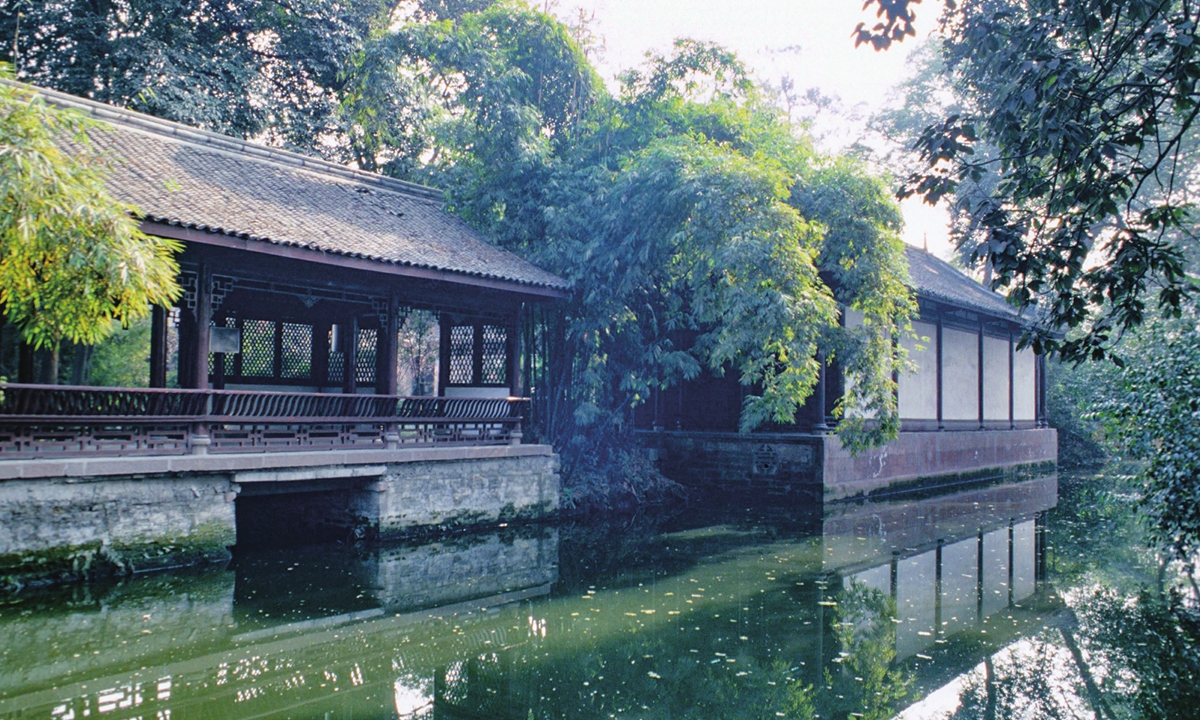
[(477, 354), (516, 387), (1011, 375), (320, 353), (444, 323), (940, 423), (350, 356), (387, 345), (821, 393), (219, 360), (1040, 385), (982, 424), (200, 335), (158, 347), (277, 350), (187, 321)]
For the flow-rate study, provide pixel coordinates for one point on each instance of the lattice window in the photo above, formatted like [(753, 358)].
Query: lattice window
[(258, 348), (495, 355), (297, 351), (337, 361), (212, 359), (462, 351), (364, 365)]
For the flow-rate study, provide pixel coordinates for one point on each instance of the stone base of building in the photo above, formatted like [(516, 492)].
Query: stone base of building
[(817, 469), (131, 516)]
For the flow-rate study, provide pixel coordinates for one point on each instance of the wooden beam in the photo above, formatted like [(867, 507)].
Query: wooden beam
[(325, 257)]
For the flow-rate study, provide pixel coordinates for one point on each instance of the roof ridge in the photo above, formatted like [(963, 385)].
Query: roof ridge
[(217, 141)]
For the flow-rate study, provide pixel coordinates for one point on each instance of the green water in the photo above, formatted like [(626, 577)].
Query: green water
[(1030, 600)]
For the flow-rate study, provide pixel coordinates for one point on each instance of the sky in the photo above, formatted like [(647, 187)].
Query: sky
[(807, 40)]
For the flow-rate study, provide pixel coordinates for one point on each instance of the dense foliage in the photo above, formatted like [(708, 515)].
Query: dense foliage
[(253, 69), (699, 232), (1086, 111), (73, 263), (1152, 415)]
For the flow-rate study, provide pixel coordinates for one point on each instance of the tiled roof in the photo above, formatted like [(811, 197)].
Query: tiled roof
[(195, 179), (937, 279)]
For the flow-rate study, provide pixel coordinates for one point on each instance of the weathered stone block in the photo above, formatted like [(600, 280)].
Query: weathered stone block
[(459, 493), (64, 529)]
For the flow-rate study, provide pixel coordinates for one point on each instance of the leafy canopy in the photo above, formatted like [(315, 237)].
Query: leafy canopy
[(1150, 414), (698, 230), (72, 260), (1086, 111)]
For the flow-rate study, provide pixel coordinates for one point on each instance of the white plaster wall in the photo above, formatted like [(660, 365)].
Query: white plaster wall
[(960, 375), (1024, 386), (995, 378), (918, 389)]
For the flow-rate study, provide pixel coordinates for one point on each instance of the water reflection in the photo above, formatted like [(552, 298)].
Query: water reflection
[(857, 613)]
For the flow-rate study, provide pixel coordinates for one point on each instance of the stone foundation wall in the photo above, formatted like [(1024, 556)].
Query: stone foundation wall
[(60, 529), (913, 459), (761, 466), (119, 521), (817, 469), (461, 493)]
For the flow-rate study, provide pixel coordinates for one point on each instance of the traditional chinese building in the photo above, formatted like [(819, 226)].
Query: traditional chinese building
[(972, 407), (298, 275)]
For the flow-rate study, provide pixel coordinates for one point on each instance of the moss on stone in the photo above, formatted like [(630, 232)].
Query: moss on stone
[(208, 542), (922, 486)]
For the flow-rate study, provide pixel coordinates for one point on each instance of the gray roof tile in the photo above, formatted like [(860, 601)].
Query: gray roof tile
[(937, 279), (196, 179)]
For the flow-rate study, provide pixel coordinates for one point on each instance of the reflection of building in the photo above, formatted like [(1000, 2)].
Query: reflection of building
[(972, 406), (469, 627), (297, 276), (247, 636), (949, 562)]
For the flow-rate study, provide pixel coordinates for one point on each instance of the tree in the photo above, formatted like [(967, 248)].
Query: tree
[(698, 230), (1150, 415), (264, 69), (1090, 107), (72, 259)]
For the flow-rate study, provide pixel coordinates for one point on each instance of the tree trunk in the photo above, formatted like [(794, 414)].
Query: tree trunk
[(52, 365), (81, 364)]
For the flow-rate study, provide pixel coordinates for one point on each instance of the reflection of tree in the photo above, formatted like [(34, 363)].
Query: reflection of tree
[(1150, 643), (1029, 679), (863, 683), (1117, 656)]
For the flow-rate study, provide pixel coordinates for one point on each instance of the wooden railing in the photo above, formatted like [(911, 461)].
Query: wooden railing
[(41, 421)]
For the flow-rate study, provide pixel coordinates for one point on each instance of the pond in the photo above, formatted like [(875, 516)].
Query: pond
[(1031, 599)]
